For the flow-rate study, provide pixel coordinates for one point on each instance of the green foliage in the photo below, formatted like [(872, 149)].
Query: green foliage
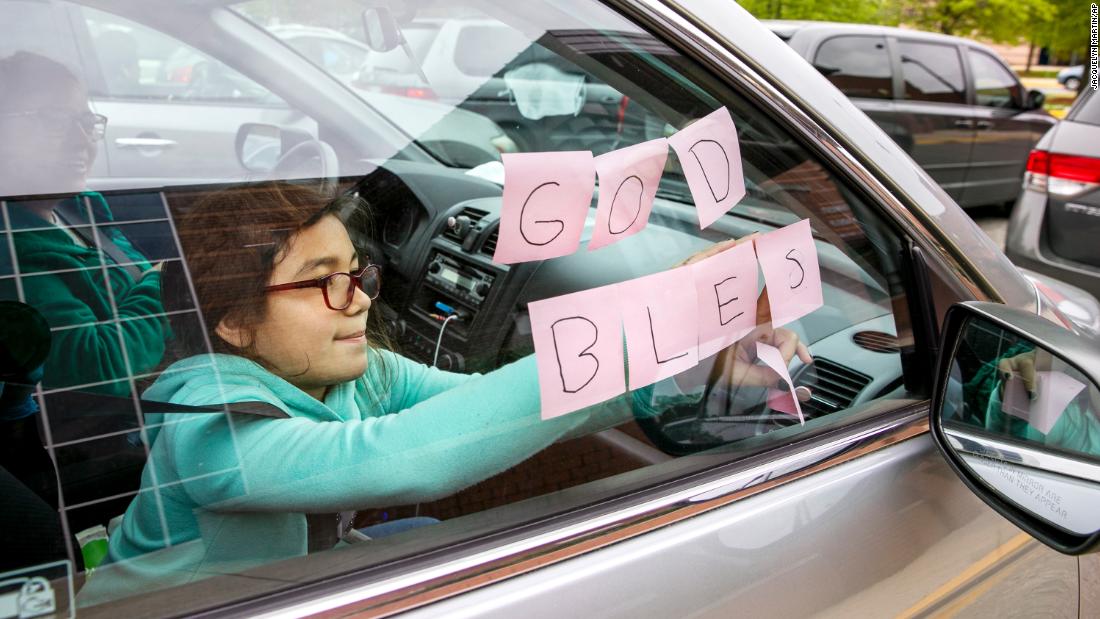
[(852, 11)]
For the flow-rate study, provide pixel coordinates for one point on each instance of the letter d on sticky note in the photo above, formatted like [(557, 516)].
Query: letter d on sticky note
[(578, 350)]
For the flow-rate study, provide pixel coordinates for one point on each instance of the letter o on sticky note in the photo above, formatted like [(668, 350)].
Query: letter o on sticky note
[(578, 350), (546, 199)]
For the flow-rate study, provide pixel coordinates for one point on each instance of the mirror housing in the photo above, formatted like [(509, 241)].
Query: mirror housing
[(1015, 413), (1035, 100), (380, 29), (260, 146)]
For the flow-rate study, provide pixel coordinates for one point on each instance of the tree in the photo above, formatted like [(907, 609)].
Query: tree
[(852, 11)]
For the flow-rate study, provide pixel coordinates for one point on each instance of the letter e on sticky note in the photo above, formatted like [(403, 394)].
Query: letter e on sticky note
[(628, 184), (788, 259), (659, 313), (578, 350), (726, 287), (546, 200), (710, 156)]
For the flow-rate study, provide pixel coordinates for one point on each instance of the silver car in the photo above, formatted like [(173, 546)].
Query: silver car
[(690, 497)]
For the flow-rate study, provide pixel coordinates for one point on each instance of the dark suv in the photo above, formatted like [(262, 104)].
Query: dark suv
[(951, 103)]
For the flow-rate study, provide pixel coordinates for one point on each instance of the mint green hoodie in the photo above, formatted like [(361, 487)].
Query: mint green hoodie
[(225, 493), (66, 282)]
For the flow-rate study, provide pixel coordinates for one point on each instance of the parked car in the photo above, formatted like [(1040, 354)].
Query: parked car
[(1072, 77), (951, 103), (207, 101), (1055, 223), (493, 69), (715, 504)]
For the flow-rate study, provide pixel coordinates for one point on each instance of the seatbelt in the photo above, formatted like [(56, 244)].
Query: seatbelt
[(68, 212)]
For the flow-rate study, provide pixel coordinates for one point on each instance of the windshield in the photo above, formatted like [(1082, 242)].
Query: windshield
[(469, 84)]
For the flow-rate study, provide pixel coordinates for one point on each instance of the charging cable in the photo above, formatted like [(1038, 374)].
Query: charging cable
[(439, 341)]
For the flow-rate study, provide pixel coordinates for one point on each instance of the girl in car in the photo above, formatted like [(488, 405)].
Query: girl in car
[(364, 427)]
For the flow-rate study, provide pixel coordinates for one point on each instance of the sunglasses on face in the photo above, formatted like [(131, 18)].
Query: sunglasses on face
[(339, 288)]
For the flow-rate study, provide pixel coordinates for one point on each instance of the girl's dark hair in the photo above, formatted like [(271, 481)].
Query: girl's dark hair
[(232, 240)]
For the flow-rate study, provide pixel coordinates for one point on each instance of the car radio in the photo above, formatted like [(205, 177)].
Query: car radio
[(466, 283)]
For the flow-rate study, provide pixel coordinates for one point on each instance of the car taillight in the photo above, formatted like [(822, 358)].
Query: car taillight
[(1061, 175), (411, 92)]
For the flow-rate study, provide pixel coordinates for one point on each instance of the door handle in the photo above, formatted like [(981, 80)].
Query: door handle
[(964, 124), (985, 125), (144, 143)]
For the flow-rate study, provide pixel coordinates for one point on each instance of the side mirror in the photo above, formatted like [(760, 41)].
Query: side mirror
[(259, 146), (1035, 100), (380, 29), (1016, 412)]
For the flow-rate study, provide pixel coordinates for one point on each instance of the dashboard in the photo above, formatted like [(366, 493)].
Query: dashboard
[(435, 230)]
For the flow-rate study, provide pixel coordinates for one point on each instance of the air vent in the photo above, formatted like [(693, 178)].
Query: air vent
[(877, 341), (834, 386), (490, 245), (473, 214)]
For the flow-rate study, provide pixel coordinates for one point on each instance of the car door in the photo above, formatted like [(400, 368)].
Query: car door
[(173, 111), (691, 495), (933, 110), (1004, 132)]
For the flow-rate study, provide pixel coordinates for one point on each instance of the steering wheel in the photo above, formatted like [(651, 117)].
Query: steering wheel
[(310, 159)]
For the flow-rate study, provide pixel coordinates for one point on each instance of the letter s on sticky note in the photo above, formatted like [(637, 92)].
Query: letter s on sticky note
[(546, 200), (578, 350), (788, 259)]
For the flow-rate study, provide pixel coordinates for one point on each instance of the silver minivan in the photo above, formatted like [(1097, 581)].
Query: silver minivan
[(944, 465)]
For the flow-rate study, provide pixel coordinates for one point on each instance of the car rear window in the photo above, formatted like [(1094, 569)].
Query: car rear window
[(1086, 110)]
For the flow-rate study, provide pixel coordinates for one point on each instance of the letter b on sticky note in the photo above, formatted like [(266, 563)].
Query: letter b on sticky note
[(578, 349)]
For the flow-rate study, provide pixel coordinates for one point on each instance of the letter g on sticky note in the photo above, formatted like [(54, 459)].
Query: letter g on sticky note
[(578, 350), (788, 259), (546, 200), (710, 155)]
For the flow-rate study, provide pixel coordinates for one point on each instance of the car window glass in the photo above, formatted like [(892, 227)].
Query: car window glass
[(137, 62), (1086, 109), (142, 291), (932, 72), (858, 65), (994, 85)]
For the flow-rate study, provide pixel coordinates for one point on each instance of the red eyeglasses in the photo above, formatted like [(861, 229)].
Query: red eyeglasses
[(340, 287)]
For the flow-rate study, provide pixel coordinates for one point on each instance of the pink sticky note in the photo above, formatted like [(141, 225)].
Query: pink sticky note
[(782, 401), (628, 183), (546, 199), (711, 158), (578, 350), (659, 313), (788, 258), (726, 287), (1054, 391)]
